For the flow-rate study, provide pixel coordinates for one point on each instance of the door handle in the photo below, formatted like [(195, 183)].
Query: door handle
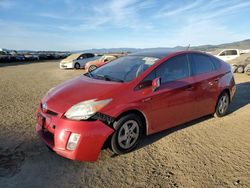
[(147, 99), (189, 88), (216, 80), (210, 83)]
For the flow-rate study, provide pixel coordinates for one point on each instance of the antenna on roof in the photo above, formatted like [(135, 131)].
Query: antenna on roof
[(188, 47)]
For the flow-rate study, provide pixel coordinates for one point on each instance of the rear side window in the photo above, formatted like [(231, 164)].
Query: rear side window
[(217, 62), (231, 52), (201, 64), (174, 69)]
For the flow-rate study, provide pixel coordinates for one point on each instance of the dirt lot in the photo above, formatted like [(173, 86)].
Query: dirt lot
[(208, 152)]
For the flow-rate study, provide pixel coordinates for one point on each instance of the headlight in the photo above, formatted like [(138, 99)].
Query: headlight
[(66, 62), (86, 109)]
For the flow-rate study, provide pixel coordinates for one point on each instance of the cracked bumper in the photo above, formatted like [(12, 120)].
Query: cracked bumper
[(55, 132)]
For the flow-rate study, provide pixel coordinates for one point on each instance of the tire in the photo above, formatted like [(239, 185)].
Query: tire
[(127, 135), (247, 69), (240, 69), (77, 66), (92, 68), (222, 105), (51, 150), (234, 68)]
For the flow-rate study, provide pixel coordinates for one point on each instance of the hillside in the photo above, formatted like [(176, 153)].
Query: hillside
[(245, 44)]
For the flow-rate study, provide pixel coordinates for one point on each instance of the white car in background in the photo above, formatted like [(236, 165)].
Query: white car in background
[(228, 54), (77, 61)]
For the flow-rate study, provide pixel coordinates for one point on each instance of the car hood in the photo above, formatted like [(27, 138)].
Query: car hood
[(67, 61), (93, 62), (71, 58), (79, 89)]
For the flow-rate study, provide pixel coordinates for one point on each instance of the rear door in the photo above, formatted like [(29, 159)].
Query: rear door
[(206, 83)]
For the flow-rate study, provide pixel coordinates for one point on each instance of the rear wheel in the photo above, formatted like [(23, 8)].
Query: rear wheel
[(77, 66), (240, 69), (234, 68), (247, 69), (92, 67), (222, 105), (128, 134)]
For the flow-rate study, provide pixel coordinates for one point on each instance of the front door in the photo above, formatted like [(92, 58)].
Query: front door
[(173, 102)]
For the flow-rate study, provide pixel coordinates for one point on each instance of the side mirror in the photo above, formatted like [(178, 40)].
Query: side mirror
[(156, 83)]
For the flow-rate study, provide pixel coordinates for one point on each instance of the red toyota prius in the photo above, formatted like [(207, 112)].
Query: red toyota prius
[(139, 94)]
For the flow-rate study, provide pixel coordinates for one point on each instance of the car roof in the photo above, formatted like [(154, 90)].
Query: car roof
[(154, 53)]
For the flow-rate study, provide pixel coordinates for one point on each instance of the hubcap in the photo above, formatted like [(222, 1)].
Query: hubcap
[(223, 104), (92, 68), (128, 134)]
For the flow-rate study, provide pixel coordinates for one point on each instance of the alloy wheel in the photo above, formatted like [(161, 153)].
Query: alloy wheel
[(223, 104), (128, 134)]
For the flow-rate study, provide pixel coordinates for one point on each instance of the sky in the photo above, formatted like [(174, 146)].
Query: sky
[(85, 24)]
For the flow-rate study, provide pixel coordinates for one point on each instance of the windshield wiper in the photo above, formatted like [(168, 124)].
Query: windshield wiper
[(88, 74), (109, 78)]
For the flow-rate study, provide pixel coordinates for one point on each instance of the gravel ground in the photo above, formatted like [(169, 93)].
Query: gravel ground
[(208, 152)]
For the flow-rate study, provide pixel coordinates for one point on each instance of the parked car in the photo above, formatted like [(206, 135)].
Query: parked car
[(18, 57), (239, 64), (31, 57), (4, 57), (139, 94), (228, 54), (77, 61), (247, 69), (92, 65)]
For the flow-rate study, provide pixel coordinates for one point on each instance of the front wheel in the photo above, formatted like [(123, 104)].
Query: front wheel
[(128, 133), (240, 69), (77, 66), (222, 105)]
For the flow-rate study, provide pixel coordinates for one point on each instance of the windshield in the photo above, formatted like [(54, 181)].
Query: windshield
[(124, 69)]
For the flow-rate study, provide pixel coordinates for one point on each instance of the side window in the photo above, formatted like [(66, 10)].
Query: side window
[(147, 81), (173, 69), (83, 56), (231, 52), (217, 62), (90, 55), (202, 64), (222, 53), (150, 77)]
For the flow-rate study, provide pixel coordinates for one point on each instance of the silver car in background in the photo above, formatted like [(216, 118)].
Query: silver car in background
[(77, 61)]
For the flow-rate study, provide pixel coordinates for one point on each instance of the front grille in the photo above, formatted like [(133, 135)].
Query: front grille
[(48, 136), (51, 113)]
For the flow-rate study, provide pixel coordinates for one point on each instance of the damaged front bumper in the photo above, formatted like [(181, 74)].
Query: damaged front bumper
[(56, 131)]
